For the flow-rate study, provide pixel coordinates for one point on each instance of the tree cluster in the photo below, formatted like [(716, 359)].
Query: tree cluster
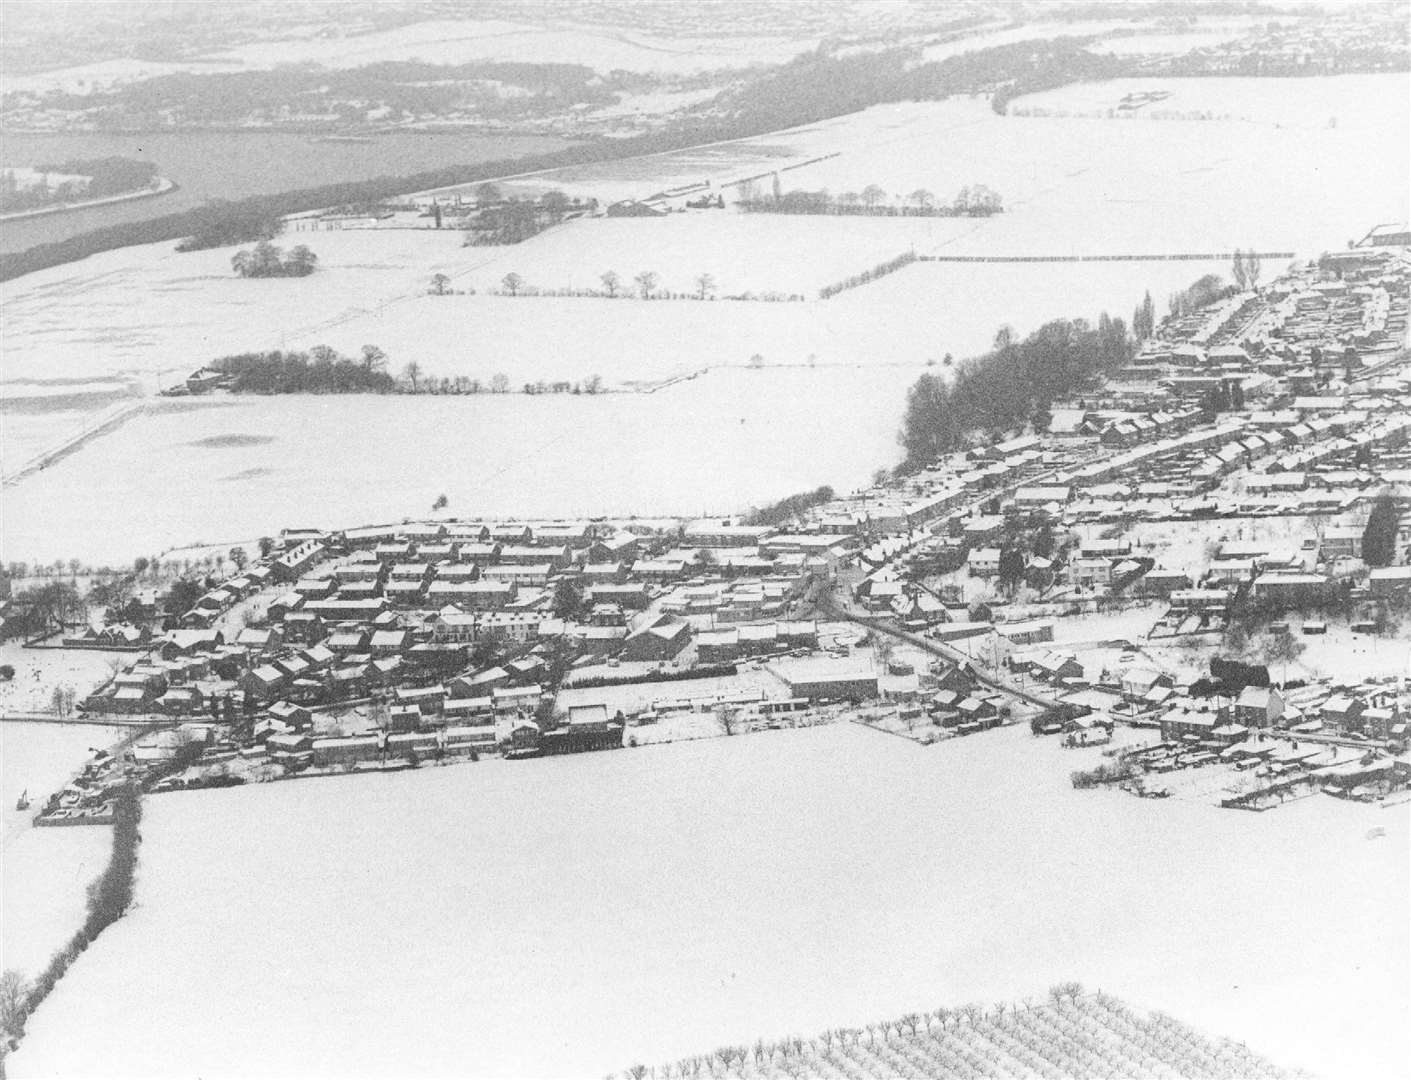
[(1203, 292), (791, 507), (266, 260), (999, 391), (321, 370), (1379, 536)]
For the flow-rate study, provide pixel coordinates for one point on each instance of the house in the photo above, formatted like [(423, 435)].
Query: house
[(1343, 712), (663, 640), (1388, 580), (1188, 725), (1138, 682), (290, 566), (1259, 706), (264, 682), (984, 562), (1342, 542), (294, 717)]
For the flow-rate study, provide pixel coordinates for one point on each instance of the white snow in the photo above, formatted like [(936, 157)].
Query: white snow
[(653, 901)]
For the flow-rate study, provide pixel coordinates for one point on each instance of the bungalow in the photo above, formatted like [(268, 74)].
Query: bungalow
[(633, 596), (519, 573), (556, 557), (853, 685), (390, 642), (1042, 494), (509, 700), (721, 534), (1388, 580)]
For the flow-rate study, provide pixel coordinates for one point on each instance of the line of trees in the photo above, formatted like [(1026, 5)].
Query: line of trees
[(266, 260), (1011, 386), (891, 266), (645, 285), (973, 200), (108, 899)]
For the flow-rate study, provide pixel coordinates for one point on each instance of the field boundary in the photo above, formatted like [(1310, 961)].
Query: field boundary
[(107, 421), (1217, 256)]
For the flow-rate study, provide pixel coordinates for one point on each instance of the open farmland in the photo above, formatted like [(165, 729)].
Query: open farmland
[(1073, 186), (235, 469), (784, 848)]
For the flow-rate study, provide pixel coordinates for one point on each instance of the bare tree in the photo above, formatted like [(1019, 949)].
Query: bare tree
[(725, 716), (14, 992), (921, 199), (412, 373), (512, 283), (499, 383), (611, 282), (374, 359), (646, 282), (705, 284), (872, 195), (439, 283)]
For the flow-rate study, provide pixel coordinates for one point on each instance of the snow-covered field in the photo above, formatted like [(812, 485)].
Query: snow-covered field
[(224, 471), (45, 871), (574, 914), (1072, 186)]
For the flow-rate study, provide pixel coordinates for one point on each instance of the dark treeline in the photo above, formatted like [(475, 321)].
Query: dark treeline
[(221, 222), (891, 266), (818, 85), (318, 371), (790, 507), (106, 177), (409, 87), (1011, 386), (108, 899)]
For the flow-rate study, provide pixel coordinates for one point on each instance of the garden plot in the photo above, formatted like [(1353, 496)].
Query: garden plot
[(831, 874)]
